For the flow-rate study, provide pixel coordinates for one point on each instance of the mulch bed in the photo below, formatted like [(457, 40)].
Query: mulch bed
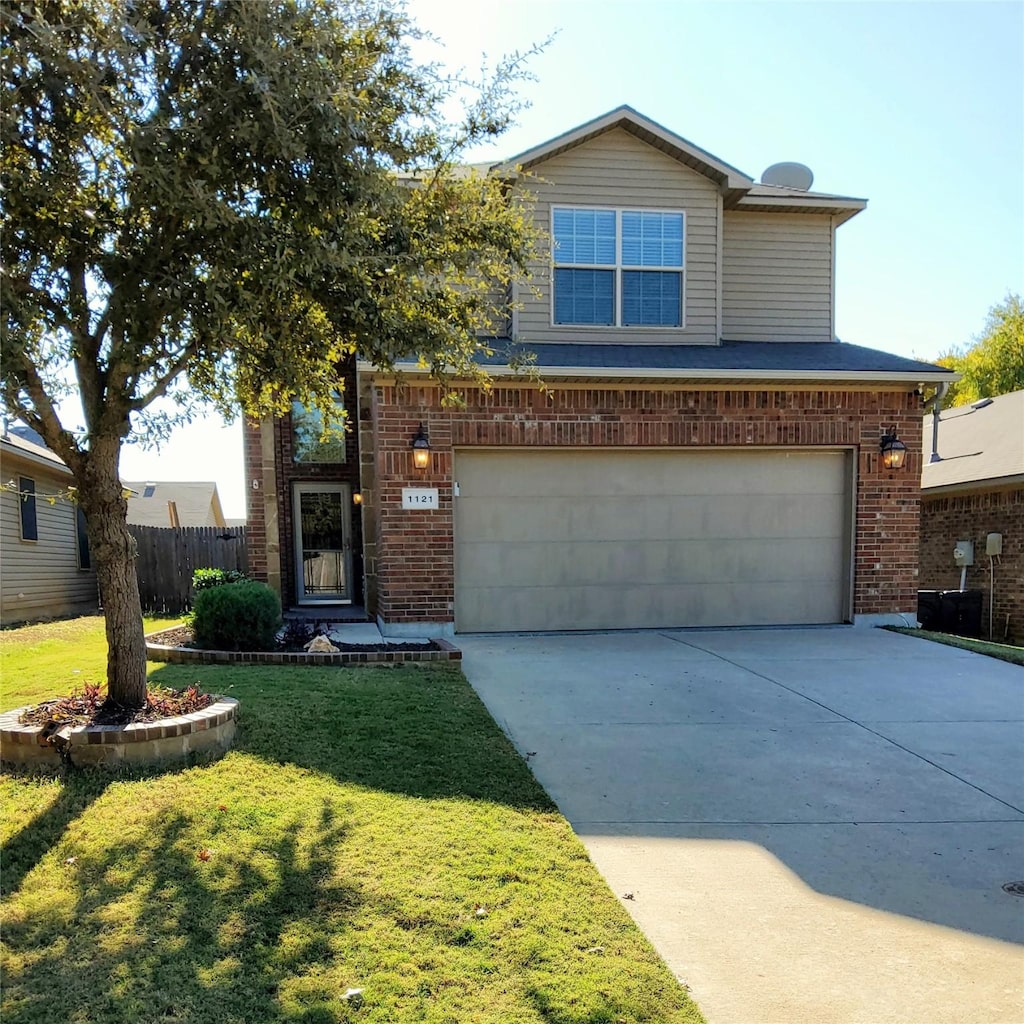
[(89, 706), (181, 636)]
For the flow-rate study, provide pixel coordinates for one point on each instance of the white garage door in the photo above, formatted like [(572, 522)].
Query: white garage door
[(549, 540)]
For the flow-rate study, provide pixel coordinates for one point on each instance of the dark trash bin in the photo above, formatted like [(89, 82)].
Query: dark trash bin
[(950, 611), (929, 610), (961, 612)]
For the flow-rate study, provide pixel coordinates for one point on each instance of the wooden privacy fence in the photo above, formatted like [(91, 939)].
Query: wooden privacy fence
[(168, 557)]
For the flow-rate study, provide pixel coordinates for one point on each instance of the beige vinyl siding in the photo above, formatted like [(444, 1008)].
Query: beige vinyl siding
[(777, 277), (618, 170), (41, 578)]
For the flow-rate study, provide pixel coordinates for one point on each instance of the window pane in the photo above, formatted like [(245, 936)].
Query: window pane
[(585, 236), (308, 442), (652, 239), (585, 297), (81, 533), (27, 502), (651, 298)]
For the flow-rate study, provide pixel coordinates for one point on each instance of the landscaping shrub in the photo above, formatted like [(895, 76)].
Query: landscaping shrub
[(204, 579), (242, 617)]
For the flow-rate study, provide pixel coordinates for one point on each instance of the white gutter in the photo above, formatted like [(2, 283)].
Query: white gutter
[(660, 373), (992, 483)]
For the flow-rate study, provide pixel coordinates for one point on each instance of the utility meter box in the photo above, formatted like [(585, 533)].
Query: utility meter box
[(963, 553), (994, 544)]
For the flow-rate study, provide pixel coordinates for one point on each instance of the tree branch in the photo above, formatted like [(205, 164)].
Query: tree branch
[(42, 417), (159, 389)]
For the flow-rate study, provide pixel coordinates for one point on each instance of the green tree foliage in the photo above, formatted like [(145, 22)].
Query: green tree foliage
[(994, 364), (219, 200)]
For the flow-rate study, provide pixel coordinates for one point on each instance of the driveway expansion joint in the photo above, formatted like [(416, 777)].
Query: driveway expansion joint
[(852, 721)]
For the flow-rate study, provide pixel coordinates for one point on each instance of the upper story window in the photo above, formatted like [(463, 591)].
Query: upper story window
[(618, 268), (309, 444)]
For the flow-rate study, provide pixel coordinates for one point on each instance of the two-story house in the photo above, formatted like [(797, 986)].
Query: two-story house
[(706, 452)]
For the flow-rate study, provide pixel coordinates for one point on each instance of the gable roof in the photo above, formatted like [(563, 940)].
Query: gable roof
[(196, 502), (739, 190), (979, 445), (23, 442), (646, 130)]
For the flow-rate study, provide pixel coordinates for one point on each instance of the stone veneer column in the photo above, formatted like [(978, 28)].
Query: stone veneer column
[(271, 518)]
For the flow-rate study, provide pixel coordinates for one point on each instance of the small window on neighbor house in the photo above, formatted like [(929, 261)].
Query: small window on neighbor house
[(309, 443), (149, 490), (82, 537), (27, 503)]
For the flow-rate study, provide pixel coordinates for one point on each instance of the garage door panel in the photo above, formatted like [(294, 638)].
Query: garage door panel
[(727, 517), (512, 519), (771, 560), (599, 539), (639, 607)]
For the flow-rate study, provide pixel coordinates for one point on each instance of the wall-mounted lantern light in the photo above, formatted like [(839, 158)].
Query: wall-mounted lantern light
[(894, 451), (420, 449), (357, 498)]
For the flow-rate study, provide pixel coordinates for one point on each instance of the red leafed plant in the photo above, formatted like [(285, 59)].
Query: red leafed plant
[(167, 703), (90, 706), (76, 709)]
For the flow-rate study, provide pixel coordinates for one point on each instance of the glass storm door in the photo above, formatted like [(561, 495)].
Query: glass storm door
[(323, 548)]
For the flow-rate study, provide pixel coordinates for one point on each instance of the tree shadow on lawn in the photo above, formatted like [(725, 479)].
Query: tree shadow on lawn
[(412, 731), (26, 847), (416, 731), (146, 930)]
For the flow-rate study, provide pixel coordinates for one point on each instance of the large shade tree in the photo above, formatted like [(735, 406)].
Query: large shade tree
[(219, 200), (994, 363)]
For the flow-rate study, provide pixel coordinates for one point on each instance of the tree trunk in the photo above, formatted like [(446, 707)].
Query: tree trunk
[(114, 554)]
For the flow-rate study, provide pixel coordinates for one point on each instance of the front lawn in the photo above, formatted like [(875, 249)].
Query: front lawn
[(373, 830)]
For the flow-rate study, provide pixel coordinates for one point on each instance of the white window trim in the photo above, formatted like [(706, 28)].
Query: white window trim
[(617, 269)]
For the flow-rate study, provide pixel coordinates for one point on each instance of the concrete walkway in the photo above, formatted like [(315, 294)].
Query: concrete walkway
[(812, 825)]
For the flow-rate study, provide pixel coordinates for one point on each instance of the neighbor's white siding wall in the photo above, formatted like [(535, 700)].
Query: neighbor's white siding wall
[(617, 169), (777, 281), (39, 579)]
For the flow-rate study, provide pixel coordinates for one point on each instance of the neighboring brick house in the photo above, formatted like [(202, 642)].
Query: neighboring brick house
[(976, 488), (705, 454)]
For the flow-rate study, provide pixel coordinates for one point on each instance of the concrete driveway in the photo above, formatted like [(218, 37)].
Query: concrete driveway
[(811, 825)]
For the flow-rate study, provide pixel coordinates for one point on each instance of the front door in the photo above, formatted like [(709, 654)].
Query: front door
[(323, 546)]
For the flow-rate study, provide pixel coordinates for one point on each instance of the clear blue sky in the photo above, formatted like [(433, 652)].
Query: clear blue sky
[(918, 107)]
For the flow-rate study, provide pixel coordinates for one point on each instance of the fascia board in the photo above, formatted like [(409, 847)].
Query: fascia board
[(649, 373)]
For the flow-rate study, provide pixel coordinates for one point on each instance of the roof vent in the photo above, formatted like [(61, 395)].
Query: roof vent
[(981, 403), (789, 175)]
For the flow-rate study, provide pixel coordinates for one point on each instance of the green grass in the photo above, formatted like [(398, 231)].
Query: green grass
[(359, 823), (1004, 652)]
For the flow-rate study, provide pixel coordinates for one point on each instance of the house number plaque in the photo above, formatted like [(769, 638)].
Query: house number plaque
[(420, 497)]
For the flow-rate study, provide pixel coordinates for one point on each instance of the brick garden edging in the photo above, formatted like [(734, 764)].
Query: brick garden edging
[(210, 731), (441, 650)]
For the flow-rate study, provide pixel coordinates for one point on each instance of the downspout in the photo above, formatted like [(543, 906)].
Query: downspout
[(941, 390)]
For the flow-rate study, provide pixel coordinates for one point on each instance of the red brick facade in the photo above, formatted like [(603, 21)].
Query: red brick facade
[(948, 518), (411, 567), (269, 461)]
